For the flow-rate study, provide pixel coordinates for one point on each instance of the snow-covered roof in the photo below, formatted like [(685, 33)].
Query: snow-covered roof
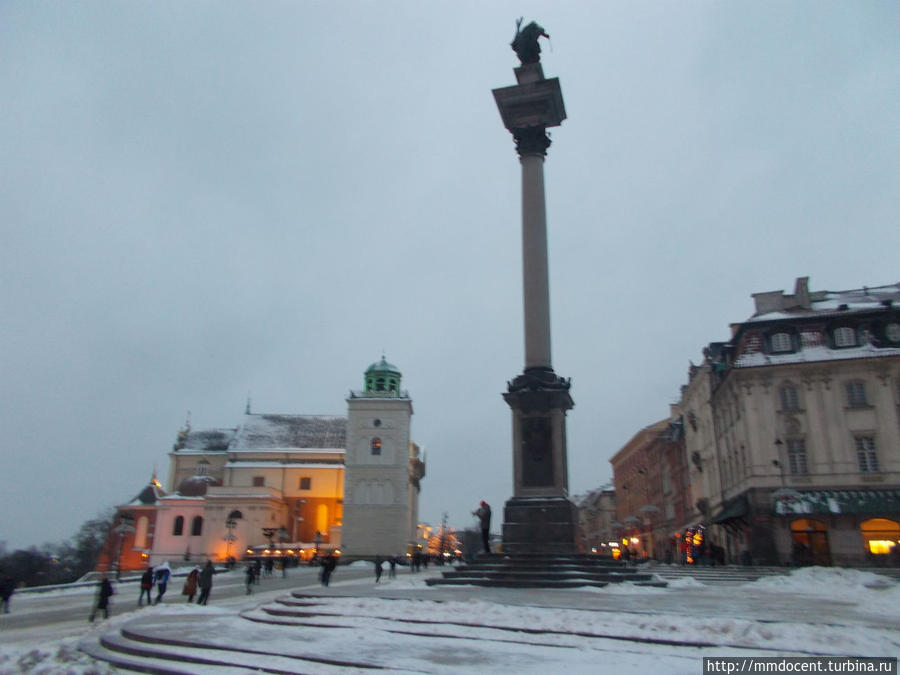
[(283, 465), (281, 432), (813, 354), (826, 303), (806, 316), (150, 495), (204, 441)]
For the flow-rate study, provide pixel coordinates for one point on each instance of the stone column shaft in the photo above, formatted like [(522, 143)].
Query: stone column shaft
[(535, 271)]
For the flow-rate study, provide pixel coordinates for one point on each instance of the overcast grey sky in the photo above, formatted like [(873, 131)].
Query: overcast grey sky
[(208, 199)]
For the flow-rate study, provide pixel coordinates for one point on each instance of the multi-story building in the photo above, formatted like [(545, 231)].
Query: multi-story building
[(295, 481), (653, 496), (596, 518), (792, 429)]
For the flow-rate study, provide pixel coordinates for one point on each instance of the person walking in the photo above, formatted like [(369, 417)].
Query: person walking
[(104, 592), (328, 565), (378, 568), (392, 573), (162, 580), (250, 577), (7, 588), (146, 586), (483, 514), (206, 582), (190, 584)]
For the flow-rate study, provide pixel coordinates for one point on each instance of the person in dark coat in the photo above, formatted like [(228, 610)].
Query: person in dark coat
[(484, 517), (378, 568), (104, 592), (392, 573), (7, 588), (205, 582), (328, 564), (162, 580), (146, 586), (250, 577)]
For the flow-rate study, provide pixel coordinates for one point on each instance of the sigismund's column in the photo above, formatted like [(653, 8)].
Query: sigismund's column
[(539, 517)]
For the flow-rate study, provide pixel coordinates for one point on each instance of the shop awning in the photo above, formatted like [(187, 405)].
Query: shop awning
[(853, 502), (732, 511)]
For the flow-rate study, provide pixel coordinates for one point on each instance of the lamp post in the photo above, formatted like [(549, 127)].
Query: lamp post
[(230, 524), (269, 533), (124, 527), (777, 462), (443, 535)]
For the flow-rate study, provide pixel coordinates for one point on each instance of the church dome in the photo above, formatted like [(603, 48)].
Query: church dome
[(384, 367), (383, 377), (196, 486)]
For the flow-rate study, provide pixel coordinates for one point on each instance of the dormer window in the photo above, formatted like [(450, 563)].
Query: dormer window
[(781, 342), (844, 336), (376, 446)]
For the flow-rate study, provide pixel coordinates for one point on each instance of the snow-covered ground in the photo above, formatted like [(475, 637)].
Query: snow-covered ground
[(621, 628)]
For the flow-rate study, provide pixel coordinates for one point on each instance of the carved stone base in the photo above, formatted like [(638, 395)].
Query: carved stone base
[(539, 525)]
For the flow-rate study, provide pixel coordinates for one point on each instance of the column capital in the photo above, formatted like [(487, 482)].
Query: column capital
[(531, 141)]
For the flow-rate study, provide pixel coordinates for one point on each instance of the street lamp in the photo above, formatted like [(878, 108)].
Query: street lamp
[(647, 510), (230, 524), (318, 540), (126, 525), (269, 533)]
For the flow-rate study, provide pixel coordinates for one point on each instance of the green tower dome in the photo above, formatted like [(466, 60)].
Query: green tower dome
[(383, 376)]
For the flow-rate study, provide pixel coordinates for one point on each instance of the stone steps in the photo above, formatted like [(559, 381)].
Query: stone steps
[(524, 570), (136, 648)]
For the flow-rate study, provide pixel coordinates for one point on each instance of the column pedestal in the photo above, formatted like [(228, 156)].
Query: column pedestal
[(539, 518)]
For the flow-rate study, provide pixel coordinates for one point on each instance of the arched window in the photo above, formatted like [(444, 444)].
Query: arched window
[(379, 384), (376, 446), (880, 536), (178, 526), (322, 518), (140, 533), (393, 384), (197, 526), (235, 515)]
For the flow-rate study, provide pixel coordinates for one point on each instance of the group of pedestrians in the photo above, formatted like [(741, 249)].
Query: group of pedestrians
[(159, 578), (379, 567), (201, 579), (150, 578)]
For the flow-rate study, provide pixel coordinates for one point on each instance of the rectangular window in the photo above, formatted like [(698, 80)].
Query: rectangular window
[(305, 483), (866, 455), (796, 449), (856, 394), (259, 481), (790, 399)]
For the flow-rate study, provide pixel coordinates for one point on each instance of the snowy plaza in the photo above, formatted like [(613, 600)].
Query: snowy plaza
[(403, 625)]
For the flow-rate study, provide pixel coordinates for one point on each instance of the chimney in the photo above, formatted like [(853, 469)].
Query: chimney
[(801, 293)]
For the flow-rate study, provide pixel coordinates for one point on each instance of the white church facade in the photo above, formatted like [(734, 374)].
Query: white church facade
[(284, 484)]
